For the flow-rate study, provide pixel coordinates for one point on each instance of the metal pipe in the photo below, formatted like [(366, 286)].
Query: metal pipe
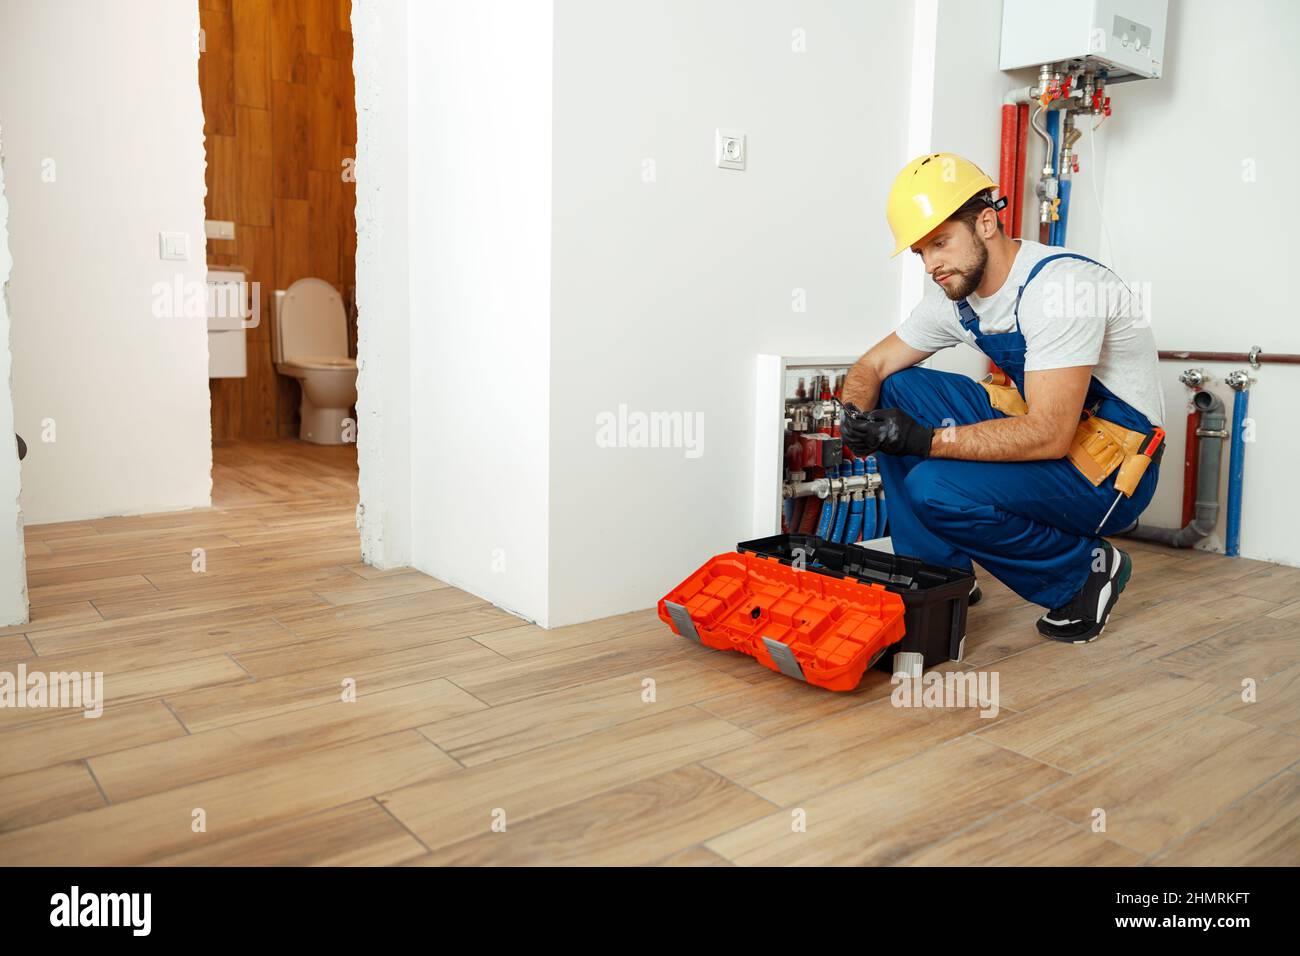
[(1019, 94), (824, 487), (1255, 357), (1047, 142), (1210, 458)]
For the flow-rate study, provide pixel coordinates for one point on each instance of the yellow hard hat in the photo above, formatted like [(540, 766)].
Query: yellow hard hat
[(929, 190)]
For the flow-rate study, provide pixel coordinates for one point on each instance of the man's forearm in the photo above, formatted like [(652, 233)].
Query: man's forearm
[(861, 385), (1018, 438)]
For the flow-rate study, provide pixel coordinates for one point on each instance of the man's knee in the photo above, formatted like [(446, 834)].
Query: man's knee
[(898, 390), (936, 498)]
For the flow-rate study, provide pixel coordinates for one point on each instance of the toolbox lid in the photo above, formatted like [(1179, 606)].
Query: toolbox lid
[(895, 571)]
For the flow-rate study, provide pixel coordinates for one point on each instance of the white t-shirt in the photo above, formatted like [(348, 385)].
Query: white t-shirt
[(1073, 313)]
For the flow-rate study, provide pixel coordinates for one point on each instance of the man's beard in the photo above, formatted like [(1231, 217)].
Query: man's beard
[(967, 281)]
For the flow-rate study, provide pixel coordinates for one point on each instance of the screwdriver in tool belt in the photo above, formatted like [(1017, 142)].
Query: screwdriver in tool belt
[(1134, 467)]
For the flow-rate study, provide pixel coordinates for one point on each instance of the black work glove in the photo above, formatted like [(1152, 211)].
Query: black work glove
[(889, 430)]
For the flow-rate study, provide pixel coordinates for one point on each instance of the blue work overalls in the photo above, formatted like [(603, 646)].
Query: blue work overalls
[(1031, 524)]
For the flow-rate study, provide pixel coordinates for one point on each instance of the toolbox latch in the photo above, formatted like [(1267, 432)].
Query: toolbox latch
[(682, 619), (783, 657)]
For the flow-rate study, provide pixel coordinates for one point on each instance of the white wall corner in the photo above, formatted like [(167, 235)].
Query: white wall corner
[(13, 564), (379, 29)]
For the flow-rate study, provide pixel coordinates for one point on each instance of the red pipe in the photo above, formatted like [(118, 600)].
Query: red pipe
[(1191, 458), (1007, 166), (812, 514), (1011, 173), (1022, 133), (796, 520)]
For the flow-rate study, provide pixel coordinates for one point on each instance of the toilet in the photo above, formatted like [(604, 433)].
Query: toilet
[(309, 342)]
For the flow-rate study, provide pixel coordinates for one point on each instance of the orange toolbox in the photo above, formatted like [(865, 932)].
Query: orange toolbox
[(823, 630)]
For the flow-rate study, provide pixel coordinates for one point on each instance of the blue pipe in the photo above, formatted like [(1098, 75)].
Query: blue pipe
[(869, 523), (854, 528), (1236, 470), (841, 518), (825, 523), (851, 505), (854, 531), (1064, 211)]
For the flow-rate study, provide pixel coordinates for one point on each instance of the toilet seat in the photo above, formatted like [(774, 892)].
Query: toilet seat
[(322, 362)]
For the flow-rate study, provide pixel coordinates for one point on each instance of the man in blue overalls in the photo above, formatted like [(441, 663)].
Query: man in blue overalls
[(1025, 473)]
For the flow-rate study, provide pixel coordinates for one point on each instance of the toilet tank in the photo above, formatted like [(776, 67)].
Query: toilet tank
[(309, 321)]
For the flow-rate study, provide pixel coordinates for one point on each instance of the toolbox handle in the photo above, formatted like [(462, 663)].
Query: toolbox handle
[(955, 637)]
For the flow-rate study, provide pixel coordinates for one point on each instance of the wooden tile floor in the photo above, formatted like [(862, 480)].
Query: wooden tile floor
[(224, 703)]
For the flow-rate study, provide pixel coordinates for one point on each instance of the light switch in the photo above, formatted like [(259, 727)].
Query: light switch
[(173, 245), (219, 229)]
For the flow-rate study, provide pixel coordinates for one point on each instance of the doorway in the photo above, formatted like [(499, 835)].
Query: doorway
[(279, 108)]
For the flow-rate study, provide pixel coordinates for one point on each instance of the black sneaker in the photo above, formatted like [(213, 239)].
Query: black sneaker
[(1084, 618), (975, 595)]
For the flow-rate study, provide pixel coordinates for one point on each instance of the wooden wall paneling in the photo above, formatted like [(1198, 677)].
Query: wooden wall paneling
[(252, 38), (258, 412), (217, 72), (222, 179), (257, 245), (323, 201), (288, 41), (322, 27), (227, 403), (347, 228), (256, 170), (292, 235), (287, 398), (347, 97), (323, 113), (289, 139)]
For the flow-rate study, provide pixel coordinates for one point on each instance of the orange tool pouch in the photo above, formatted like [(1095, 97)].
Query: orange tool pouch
[(1004, 397), (1098, 447)]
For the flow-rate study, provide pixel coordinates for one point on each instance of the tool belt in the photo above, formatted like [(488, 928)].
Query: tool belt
[(1098, 447)]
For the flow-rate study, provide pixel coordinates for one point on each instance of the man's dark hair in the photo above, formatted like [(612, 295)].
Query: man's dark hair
[(970, 210)]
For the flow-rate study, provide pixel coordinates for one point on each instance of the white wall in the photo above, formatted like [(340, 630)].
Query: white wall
[(480, 291), (1217, 249), (965, 117), (545, 255), (13, 569), (380, 39), (108, 94), (665, 292)]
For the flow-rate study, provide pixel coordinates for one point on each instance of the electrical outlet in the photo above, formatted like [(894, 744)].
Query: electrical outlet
[(731, 152)]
